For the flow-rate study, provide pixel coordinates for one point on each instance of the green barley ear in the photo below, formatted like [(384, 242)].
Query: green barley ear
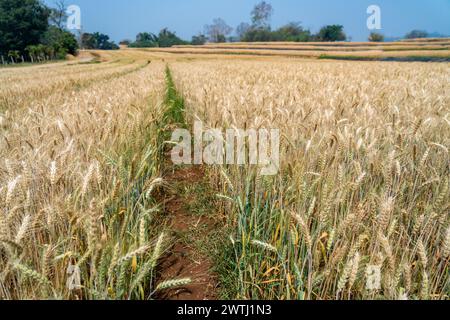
[(331, 239), (173, 284), (114, 260), (103, 268), (157, 251), (31, 274), (345, 275), (264, 245)]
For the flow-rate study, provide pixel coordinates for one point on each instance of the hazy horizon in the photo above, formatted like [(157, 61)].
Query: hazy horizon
[(120, 20)]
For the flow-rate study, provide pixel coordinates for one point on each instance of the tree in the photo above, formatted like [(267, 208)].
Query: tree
[(146, 37), (62, 41), (199, 40), (145, 40), (125, 42), (416, 34), (242, 29), (261, 15), (14, 55), (293, 31), (58, 14), (332, 33), (167, 38), (376, 37), (97, 40), (218, 31), (22, 23), (258, 35)]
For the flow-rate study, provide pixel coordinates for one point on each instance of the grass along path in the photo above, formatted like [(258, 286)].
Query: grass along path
[(192, 220)]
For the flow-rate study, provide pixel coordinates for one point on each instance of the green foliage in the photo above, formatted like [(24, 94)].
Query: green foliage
[(25, 31), (98, 41), (291, 32), (164, 39), (260, 30), (376, 37), (175, 112), (22, 22), (199, 40), (416, 34), (145, 40), (332, 33), (61, 41), (125, 42), (257, 35), (39, 52)]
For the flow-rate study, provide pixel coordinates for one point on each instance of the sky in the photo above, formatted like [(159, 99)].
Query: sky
[(123, 19)]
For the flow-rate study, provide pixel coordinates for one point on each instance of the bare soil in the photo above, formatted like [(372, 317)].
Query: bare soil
[(186, 259)]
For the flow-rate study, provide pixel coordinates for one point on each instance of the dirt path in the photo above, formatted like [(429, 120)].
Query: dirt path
[(192, 222)]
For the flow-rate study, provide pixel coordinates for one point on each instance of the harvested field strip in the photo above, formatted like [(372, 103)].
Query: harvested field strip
[(318, 48), (416, 58), (427, 42), (377, 55)]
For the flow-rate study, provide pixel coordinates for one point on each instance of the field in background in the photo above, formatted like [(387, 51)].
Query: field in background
[(419, 50), (364, 178)]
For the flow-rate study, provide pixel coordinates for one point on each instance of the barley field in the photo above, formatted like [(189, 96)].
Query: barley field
[(79, 163), (364, 178), (363, 182)]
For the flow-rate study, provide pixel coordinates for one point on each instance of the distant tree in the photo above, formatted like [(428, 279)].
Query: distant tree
[(218, 30), (22, 23), (416, 34), (58, 14), (376, 37), (332, 33), (145, 40), (258, 35), (125, 42), (199, 40), (167, 38), (88, 41), (293, 31), (61, 41), (242, 29), (261, 15), (146, 37), (98, 40)]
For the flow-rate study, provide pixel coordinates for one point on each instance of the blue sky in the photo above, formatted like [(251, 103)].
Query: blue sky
[(125, 18)]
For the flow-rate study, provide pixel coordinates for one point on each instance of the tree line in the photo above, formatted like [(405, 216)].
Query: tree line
[(257, 30), (31, 31)]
